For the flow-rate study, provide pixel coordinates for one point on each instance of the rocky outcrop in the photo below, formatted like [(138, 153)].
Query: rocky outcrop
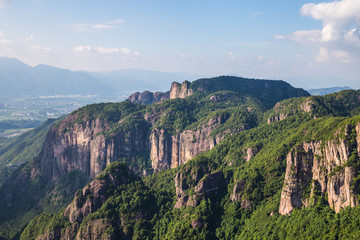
[(172, 151), (204, 185), (89, 200), (277, 118), (323, 170), (84, 147), (281, 113), (147, 98), (238, 196), (177, 90), (250, 153), (182, 90), (94, 195)]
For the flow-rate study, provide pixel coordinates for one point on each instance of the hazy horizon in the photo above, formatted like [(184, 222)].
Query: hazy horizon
[(310, 44)]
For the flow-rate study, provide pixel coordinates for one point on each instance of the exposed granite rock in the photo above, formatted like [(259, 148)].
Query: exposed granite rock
[(196, 224), (182, 90), (83, 147), (323, 169), (96, 229), (250, 153), (306, 107), (94, 195), (204, 187), (172, 151), (177, 90), (237, 195), (278, 118), (147, 98)]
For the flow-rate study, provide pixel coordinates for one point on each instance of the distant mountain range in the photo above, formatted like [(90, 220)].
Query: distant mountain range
[(19, 79), (324, 91)]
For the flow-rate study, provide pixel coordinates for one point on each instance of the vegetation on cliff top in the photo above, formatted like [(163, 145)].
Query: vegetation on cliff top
[(144, 208), (220, 218)]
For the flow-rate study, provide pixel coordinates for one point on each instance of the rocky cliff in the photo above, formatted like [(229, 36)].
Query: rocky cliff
[(85, 147), (89, 200), (147, 98), (196, 183), (182, 90), (172, 151), (177, 90), (328, 170)]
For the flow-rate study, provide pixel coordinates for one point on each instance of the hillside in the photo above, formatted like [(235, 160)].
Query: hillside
[(280, 180), (22, 149), (217, 158)]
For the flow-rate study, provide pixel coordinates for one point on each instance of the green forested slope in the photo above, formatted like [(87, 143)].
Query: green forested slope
[(144, 208)]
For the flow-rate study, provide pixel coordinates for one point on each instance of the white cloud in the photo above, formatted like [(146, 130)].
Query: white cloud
[(126, 51), (323, 55), (37, 47), (103, 26), (3, 40), (80, 49), (4, 3), (260, 58), (99, 26), (343, 56), (105, 50), (30, 38), (339, 37), (336, 17)]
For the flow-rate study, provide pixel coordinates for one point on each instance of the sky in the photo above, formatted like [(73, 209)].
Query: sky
[(310, 44)]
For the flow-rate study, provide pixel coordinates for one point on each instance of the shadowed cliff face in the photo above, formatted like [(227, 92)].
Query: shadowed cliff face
[(172, 151), (326, 171), (84, 147)]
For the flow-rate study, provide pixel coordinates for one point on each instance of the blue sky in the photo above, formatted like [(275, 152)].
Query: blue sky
[(307, 43)]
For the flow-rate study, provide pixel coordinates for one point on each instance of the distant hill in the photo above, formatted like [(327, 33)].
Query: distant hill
[(19, 79), (324, 91)]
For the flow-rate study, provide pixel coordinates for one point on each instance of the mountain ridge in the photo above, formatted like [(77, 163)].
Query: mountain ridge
[(219, 164)]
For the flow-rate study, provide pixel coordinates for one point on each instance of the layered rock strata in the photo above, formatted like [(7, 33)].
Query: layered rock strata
[(322, 169)]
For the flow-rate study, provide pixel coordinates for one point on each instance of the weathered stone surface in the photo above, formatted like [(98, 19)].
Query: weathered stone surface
[(182, 90), (147, 98), (250, 153), (172, 151), (237, 195), (96, 229), (306, 107), (204, 188), (82, 146), (310, 163), (94, 195)]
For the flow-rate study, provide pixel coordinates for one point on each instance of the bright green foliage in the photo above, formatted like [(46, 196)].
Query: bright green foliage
[(111, 112), (144, 208), (22, 149)]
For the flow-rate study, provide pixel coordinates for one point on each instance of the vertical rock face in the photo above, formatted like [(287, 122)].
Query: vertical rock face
[(324, 170), (83, 147), (203, 187), (147, 98), (171, 151), (180, 90)]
